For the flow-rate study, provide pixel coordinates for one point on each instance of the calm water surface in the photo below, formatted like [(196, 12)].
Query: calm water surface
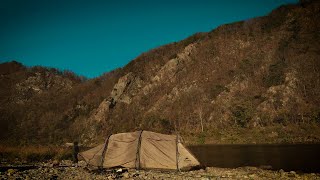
[(300, 157)]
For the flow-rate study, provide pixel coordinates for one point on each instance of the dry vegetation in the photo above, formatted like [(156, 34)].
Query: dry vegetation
[(14, 154)]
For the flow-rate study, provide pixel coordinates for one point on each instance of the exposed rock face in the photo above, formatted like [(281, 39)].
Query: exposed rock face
[(117, 95), (169, 70), (118, 92), (281, 100), (102, 111), (40, 82)]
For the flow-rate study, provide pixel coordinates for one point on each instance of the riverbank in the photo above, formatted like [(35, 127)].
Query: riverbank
[(65, 170), (302, 133)]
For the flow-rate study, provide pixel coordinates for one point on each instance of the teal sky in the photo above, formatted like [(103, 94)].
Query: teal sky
[(95, 36)]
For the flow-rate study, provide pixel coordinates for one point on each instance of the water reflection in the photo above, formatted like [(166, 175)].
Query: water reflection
[(300, 157)]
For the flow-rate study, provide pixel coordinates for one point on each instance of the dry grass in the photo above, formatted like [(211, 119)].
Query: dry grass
[(306, 133), (33, 153)]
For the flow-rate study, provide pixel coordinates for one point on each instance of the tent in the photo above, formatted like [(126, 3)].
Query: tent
[(141, 150)]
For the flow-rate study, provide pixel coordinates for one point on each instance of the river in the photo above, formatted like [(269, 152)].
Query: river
[(299, 157)]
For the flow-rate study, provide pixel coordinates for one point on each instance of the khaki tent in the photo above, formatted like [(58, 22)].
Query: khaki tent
[(141, 150)]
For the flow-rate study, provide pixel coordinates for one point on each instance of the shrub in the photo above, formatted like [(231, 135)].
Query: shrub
[(157, 124), (282, 118), (315, 117), (216, 90), (247, 66), (241, 115), (276, 74), (201, 138)]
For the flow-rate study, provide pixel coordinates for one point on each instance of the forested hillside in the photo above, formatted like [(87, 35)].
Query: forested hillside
[(254, 81)]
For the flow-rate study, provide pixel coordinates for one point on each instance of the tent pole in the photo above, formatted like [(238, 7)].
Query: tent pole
[(104, 151), (177, 153), (139, 151)]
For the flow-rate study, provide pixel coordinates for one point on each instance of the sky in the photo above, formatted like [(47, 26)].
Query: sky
[(91, 37)]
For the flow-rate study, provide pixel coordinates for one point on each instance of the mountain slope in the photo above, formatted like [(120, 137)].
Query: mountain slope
[(256, 76)]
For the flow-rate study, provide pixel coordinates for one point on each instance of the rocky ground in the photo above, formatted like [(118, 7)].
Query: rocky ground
[(65, 170)]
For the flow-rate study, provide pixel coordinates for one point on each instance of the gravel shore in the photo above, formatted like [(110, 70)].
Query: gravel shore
[(65, 170)]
